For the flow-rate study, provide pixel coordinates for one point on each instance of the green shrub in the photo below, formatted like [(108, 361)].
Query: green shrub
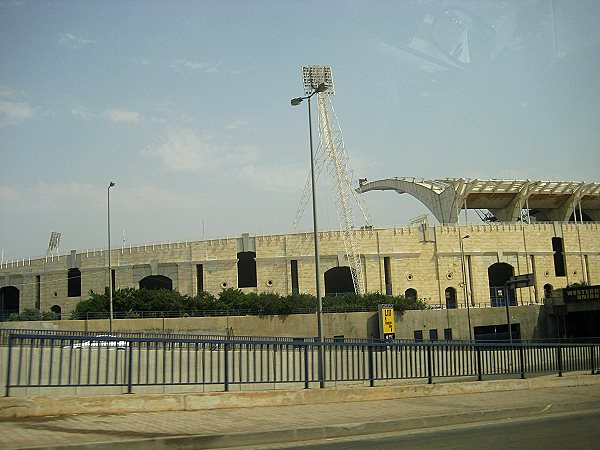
[(131, 301), (30, 314)]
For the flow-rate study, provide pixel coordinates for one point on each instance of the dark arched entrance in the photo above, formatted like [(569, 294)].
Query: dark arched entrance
[(9, 301), (450, 294), (155, 282), (338, 280), (547, 291), (410, 293), (56, 310), (498, 275)]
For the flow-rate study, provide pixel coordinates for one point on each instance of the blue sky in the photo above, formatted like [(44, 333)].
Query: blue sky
[(185, 106)]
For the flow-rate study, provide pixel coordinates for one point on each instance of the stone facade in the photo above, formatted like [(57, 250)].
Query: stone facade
[(426, 259)]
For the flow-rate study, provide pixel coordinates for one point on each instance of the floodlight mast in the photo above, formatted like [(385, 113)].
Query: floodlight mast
[(337, 161)]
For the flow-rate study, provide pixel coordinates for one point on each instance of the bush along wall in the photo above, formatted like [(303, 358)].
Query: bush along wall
[(134, 301)]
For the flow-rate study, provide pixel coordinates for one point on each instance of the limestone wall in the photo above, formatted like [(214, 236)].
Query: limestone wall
[(426, 260), (531, 319)]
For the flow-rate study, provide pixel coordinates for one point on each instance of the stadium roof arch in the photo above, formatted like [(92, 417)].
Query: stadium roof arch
[(505, 199)]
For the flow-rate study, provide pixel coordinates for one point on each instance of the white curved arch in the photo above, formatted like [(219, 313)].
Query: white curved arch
[(506, 199)]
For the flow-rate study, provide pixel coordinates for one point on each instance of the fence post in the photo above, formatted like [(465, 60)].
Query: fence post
[(478, 355), (130, 369), (522, 361), (371, 368), (429, 365), (226, 368), (559, 361), (592, 360), (306, 367), (8, 364)]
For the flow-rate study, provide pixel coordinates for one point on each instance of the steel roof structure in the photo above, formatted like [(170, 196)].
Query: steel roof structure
[(505, 199)]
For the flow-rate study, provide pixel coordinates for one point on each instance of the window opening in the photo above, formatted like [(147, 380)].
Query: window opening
[(294, 274), (74, 283), (246, 269), (155, 282)]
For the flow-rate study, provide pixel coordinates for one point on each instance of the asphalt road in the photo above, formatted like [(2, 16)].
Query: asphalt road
[(558, 431)]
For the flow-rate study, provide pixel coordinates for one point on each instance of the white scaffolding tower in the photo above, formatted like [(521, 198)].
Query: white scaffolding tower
[(332, 153)]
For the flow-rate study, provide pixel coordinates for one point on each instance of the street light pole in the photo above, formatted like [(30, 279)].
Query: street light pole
[(464, 277), (110, 284), (295, 102)]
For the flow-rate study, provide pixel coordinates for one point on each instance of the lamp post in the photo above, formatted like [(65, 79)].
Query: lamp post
[(110, 284), (464, 277), (295, 102)]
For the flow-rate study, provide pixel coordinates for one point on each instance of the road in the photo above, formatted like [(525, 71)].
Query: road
[(557, 431)]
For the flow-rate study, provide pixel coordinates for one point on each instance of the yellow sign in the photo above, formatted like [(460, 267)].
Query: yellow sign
[(386, 322)]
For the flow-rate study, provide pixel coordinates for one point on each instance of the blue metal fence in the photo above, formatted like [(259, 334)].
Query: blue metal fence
[(57, 361)]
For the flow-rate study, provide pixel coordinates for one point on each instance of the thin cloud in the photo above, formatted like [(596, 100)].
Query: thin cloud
[(122, 116), (11, 3), (13, 113), (43, 196), (183, 66), (74, 42), (275, 178), (184, 150), (238, 124), (82, 112)]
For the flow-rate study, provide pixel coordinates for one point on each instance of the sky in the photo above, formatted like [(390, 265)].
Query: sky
[(185, 106)]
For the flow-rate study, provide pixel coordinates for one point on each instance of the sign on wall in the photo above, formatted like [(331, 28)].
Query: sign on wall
[(387, 328), (581, 293)]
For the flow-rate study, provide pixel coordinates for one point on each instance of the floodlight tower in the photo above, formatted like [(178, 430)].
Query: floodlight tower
[(335, 158)]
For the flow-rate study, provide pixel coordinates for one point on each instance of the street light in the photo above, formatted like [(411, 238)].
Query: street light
[(464, 277), (295, 102), (110, 284)]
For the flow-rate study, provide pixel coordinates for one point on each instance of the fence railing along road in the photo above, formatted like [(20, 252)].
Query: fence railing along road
[(47, 362)]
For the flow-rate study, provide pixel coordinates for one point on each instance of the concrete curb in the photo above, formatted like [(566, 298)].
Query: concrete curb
[(22, 407)]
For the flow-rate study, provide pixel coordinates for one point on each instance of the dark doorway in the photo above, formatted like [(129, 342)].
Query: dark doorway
[(9, 301), (583, 324), (410, 293), (246, 269), (558, 248), (338, 280), (450, 294), (74, 283), (294, 275), (497, 332), (498, 275), (56, 310), (155, 282), (387, 270), (547, 291)]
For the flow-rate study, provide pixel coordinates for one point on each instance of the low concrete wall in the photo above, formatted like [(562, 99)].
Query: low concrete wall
[(19, 407), (352, 325)]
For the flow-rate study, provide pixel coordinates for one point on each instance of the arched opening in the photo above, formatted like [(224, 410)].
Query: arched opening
[(410, 293), (155, 282), (56, 310), (338, 280), (450, 294), (74, 283), (498, 275), (547, 291), (9, 301), (246, 269)]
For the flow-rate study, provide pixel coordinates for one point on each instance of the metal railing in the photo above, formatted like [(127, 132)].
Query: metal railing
[(44, 361)]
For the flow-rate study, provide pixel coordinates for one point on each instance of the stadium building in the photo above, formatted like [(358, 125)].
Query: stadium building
[(548, 229)]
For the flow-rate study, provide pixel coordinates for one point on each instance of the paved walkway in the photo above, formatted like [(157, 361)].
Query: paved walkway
[(221, 428)]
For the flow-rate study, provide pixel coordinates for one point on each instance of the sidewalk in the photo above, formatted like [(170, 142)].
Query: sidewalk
[(228, 427)]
